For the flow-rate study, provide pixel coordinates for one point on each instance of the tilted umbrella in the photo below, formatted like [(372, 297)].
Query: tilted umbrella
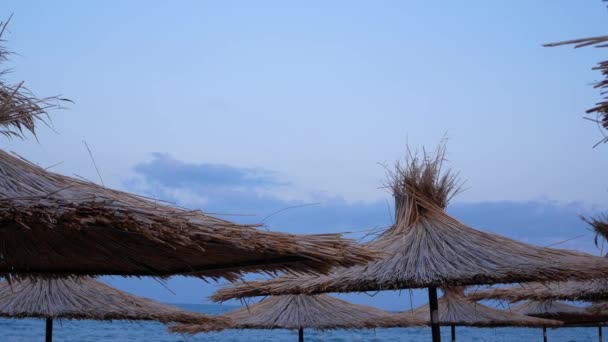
[(426, 247), (54, 225), (455, 309), (299, 312), (85, 298), (85, 229)]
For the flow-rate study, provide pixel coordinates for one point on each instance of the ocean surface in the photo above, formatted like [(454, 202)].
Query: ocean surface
[(26, 330)]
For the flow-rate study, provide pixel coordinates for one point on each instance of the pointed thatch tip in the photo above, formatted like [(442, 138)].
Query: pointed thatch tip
[(421, 182), (19, 108)]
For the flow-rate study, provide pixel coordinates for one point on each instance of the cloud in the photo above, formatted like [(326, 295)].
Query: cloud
[(168, 171), (230, 189)]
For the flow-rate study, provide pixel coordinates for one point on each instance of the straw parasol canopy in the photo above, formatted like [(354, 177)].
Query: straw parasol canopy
[(566, 290), (426, 247), (600, 109), (85, 298), (569, 314), (320, 312), (455, 309), (85, 229), (586, 290)]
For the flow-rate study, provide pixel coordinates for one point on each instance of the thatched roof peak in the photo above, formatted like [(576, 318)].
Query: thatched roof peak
[(57, 225), (88, 299), (320, 312), (421, 184)]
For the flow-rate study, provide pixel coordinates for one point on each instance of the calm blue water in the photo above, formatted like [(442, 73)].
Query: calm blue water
[(22, 330)]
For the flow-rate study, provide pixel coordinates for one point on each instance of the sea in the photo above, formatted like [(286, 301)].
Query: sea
[(27, 330)]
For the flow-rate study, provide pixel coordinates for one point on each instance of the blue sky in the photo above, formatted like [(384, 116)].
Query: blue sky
[(243, 107)]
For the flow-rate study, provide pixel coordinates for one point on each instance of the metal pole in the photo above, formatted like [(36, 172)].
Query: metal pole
[(49, 330), (599, 331), (301, 334), (453, 333), (544, 334), (434, 309)]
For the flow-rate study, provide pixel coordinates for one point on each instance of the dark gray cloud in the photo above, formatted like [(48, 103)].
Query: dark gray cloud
[(228, 189)]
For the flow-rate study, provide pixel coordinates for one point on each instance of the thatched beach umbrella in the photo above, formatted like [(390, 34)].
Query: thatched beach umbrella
[(85, 298), (299, 312), (56, 225), (455, 309), (84, 229), (426, 247), (569, 314), (540, 300), (551, 309)]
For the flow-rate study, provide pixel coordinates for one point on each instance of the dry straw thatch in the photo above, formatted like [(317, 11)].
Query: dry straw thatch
[(84, 229), (19, 108), (550, 309), (586, 290), (428, 248), (455, 309), (601, 108), (88, 299), (565, 290), (320, 312)]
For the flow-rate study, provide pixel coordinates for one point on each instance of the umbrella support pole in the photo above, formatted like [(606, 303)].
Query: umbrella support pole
[(434, 309), (49, 330), (453, 328), (544, 334), (301, 334), (599, 333)]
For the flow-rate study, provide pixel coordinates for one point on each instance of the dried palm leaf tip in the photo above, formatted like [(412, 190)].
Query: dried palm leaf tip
[(88, 299), (601, 108), (320, 312), (19, 108), (56, 225), (458, 310)]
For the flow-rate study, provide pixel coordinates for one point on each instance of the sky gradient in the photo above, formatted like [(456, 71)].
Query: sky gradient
[(236, 107)]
